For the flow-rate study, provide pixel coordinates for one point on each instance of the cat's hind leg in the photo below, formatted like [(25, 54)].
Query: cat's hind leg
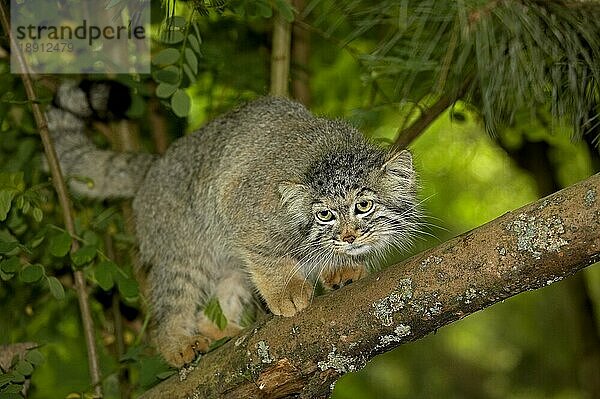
[(233, 292), (177, 294), (179, 297)]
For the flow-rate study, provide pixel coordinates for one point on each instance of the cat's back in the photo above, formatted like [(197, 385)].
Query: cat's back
[(265, 122), (275, 134)]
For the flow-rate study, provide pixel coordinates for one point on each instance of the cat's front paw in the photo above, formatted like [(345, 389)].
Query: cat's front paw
[(297, 295), (333, 279), (182, 349)]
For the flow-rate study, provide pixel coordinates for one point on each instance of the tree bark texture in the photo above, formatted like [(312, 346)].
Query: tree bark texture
[(302, 356)]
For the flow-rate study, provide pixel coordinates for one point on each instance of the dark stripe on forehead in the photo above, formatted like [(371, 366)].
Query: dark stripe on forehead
[(337, 173)]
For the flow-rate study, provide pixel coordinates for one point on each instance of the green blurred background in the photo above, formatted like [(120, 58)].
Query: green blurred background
[(542, 344)]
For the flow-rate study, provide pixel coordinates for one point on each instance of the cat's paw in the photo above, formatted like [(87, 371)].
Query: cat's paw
[(182, 349), (296, 296), (333, 279)]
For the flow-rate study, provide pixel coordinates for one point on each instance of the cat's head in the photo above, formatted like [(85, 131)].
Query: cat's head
[(354, 205)]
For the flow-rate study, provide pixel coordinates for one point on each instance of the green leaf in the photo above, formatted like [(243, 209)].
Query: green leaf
[(31, 273), (197, 31), (132, 354), (215, 344), (165, 90), (175, 21), (194, 43), (24, 367), (60, 244), (264, 9), (180, 102), (191, 59), (6, 197), (214, 312), (8, 242), (166, 374), (6, 276), (127, 287), (91, 237), (13, 181), (12, 395), (37, 214), (56, 288), (191, 76), (12, 391), (171, 36), (167, 56), (18, 377), (34, 357), (84, 255), (104, 275), (10, 265), (5, 378), (8, 246), (168, 74), (285, 9), (36, 241)]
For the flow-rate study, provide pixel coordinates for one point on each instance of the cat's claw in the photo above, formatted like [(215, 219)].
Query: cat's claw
[(342, 276), (183, 349)]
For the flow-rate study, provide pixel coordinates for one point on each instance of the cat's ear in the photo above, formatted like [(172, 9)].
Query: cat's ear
[(399, 167), (294, 195)]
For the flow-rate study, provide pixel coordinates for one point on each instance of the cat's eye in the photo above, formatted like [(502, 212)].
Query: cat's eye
[(363, 206), (325, 215)]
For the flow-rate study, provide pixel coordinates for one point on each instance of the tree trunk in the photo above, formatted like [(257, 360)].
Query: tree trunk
[(303, 356), (300, 57), (280, 56)]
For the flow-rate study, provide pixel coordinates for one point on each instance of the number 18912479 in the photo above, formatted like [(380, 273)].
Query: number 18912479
[(49, 47)]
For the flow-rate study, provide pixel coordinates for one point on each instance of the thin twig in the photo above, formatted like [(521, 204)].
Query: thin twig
[(406, 136), (63, 198)]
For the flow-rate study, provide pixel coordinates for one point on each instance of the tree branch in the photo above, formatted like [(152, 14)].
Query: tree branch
[(526, 249), (63, 199)]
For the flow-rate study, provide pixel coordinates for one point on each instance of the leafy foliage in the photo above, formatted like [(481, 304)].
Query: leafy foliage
[(22, 367), (178, 63), (514, 56)]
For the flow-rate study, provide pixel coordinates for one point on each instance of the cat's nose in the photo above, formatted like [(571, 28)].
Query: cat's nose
[(349, 238)]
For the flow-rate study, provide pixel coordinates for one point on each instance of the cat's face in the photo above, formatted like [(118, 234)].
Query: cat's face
[(357, 207)]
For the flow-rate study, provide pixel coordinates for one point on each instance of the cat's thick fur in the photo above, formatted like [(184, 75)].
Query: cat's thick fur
[(265, 199)]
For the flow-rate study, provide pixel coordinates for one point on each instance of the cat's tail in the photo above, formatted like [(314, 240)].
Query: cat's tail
[(90, 171)]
